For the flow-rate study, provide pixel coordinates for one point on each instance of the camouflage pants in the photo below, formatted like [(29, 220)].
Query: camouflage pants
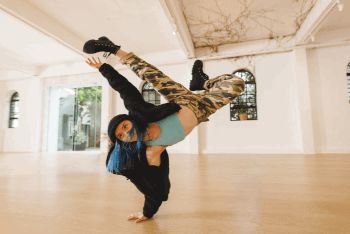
[(219, 91)]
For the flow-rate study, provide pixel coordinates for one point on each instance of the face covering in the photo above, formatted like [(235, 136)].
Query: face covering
[(129, 135)]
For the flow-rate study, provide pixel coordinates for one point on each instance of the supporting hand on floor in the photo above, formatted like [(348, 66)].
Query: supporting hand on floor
[(138, 217)]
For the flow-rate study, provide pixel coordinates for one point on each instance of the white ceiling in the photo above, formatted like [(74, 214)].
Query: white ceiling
[(338, 19), (126, 22), (219, 22), (30, 46), (335, 27), (25, 50), (45, 38)]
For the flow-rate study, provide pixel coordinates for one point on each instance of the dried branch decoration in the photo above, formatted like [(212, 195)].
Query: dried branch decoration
[(215, 26)]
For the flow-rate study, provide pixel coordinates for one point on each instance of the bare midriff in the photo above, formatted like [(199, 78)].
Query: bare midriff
[(188, 119)]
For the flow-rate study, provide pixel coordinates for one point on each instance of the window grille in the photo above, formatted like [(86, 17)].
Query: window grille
[(150, 94), (246, 103), (348, 80), (14, 111)]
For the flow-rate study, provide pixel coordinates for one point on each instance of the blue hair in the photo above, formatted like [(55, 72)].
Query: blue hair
[(124, 154)]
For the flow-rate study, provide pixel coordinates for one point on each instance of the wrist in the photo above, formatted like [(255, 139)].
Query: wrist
[(102, 67)]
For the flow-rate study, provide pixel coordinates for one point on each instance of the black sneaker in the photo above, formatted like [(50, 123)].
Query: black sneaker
[(102, 44), (198, 76)]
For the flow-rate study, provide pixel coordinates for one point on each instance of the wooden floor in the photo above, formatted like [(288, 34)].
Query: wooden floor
[(72, 193)]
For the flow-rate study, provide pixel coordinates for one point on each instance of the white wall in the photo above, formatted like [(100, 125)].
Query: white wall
[(286, 108), (26, 137), (331, 106), (3, 113), (276, 130), (32, 133)]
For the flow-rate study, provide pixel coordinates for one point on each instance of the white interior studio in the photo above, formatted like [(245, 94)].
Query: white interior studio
[(274, 158)]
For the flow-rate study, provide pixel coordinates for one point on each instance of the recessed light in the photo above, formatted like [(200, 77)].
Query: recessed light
[(340, 5)]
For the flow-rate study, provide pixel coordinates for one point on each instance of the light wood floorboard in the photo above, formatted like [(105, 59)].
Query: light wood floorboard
[(72, 193)]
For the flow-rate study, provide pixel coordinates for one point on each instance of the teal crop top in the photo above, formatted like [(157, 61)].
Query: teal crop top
[(171, 131)]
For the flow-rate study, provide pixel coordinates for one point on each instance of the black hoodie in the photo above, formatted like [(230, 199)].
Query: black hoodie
[(152, 181)]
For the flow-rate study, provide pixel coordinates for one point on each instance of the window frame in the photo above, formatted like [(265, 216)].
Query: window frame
[(242, 104), (348, 80), (147, 90), (13, 120)]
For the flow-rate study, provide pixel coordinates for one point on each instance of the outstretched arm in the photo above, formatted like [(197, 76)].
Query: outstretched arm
[(128, 92), (132, 98)]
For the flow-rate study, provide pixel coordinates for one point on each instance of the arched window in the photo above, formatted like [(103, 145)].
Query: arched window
[(149, 94), (244, 107), (348, 78), (14, 111)]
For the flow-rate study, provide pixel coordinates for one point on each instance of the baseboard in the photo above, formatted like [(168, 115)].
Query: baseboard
[(252, 151), (345, 150)]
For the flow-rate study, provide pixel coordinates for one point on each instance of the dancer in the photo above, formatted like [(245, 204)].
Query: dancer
[(139, 139)]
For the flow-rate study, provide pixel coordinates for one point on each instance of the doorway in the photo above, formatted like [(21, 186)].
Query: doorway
[(75, 119)]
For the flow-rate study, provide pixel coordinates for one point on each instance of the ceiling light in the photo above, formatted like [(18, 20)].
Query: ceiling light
[(340, 5), (312, 38)]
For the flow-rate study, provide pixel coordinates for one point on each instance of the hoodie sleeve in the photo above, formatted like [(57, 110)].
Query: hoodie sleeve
[(151, 206), (133, 100), (131, 96)]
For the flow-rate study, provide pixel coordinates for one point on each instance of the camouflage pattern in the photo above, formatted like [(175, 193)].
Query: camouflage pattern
[(219, 91)]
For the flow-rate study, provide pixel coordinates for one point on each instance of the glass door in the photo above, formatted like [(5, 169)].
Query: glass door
[(79, 118)]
